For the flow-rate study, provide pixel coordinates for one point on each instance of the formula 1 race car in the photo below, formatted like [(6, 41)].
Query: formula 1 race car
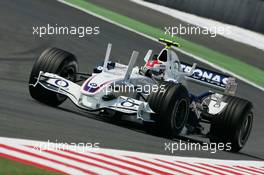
[(156, 92)]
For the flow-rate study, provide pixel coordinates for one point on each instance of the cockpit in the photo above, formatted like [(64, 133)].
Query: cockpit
[(169, 57), (163, 56)]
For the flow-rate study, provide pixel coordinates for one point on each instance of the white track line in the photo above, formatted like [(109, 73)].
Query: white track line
[(200, 167), (159, 167), (118, 160), (155, 40), (237, 170), (218, 168), (100, 161), (179, 168), (140, 166), (250, 169), (191, 168)]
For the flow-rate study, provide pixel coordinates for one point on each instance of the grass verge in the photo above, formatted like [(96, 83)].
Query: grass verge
[(9, 167)]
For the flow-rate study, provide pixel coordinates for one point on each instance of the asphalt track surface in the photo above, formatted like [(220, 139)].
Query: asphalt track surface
[(23, 117)]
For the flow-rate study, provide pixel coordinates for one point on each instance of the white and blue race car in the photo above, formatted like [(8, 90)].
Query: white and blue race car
[(156, 92)]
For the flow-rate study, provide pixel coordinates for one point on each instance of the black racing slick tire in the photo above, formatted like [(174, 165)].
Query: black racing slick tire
[(171, 106), (233, 125), (57, 61)]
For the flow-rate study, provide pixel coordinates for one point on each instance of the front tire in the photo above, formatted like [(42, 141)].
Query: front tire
[(234, 124), (171, 105), (57, 61)]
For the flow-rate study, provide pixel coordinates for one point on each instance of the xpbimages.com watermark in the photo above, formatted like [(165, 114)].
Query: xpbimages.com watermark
[(189, 146), (60, 146), (195, 30), (124, 88), (118, 88), (80, 31)]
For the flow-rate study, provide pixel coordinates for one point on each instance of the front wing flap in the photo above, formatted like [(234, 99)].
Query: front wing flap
[(59, 85)]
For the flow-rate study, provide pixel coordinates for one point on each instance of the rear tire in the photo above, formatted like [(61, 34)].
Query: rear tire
[(171, 105), (234, 124), (57, 61)]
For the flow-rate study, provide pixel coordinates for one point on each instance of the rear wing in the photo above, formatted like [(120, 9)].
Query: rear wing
[(211, 78)]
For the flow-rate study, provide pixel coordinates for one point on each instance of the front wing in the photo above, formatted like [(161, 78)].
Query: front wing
[(55, 83)]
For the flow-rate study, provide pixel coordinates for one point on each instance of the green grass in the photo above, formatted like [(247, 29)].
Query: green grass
[(9, 167), (234, 65)]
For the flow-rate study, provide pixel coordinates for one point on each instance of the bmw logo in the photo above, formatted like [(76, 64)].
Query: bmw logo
[(62, 83), (93, 85)]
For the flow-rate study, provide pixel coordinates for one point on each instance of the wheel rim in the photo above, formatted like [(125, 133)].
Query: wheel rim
[(245, 129), (69, 74), (180, 113)]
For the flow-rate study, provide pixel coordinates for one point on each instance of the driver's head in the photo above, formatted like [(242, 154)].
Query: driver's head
[(152, 62), (154, 66)]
